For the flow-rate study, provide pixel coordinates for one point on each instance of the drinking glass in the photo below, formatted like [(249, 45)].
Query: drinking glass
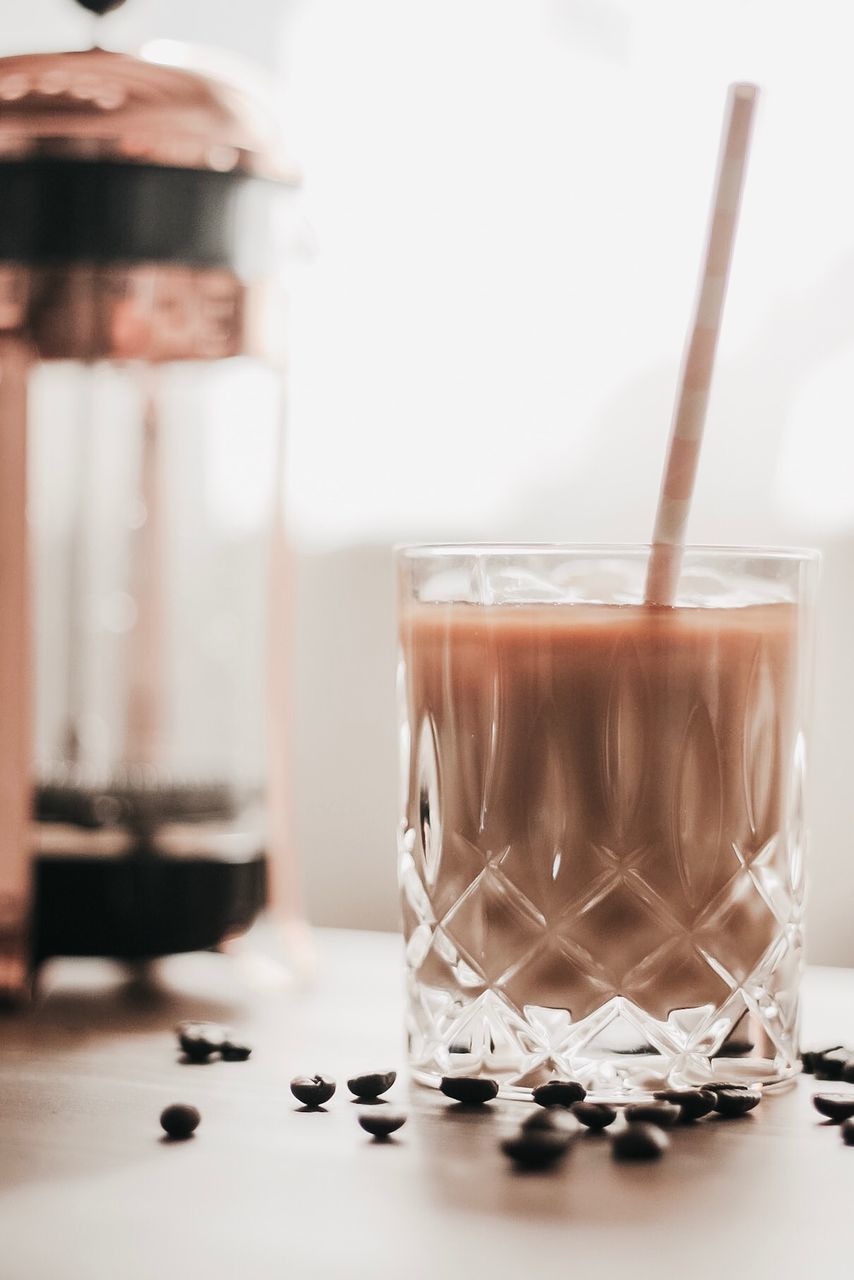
[(602, 843)]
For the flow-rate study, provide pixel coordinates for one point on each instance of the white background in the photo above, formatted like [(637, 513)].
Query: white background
[(508, 200)]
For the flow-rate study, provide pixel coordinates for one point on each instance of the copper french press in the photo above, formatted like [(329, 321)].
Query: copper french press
[(142, 621)]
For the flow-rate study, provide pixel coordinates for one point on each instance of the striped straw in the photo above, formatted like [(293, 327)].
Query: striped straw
[(686, 432)]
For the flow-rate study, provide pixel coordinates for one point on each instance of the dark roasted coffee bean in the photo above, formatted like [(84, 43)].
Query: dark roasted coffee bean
[(552, 1120), (692, 1103), (848, 1132), (819, 1053), (830, 1063), (536, 1148), (559, 1093), (640, 1142), (100, 7), (594, 1115), (232, 1051), (735, 1049), (179, 1120), (807, 1062), (312, 1091), (836, 1106), (200, 1040), (373, 1085), (469, 1089), (380, 1123), (198, 1054), (664, 1114), (736, 1102), (848, 1072)]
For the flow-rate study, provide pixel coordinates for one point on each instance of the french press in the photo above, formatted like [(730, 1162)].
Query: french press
[(142, 620)]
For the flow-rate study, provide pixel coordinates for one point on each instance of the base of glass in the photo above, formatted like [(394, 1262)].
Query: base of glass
[(765, 1073), (619, 1051)]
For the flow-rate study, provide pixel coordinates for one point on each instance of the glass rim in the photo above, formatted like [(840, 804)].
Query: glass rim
[(474, 550)]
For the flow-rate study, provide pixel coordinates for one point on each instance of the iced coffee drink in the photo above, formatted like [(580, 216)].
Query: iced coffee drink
[(601, 848)]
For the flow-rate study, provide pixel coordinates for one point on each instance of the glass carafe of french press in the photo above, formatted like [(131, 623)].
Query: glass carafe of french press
[(140, 546)]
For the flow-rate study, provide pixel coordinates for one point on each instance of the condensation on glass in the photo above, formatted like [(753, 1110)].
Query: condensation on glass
[(602, 842)]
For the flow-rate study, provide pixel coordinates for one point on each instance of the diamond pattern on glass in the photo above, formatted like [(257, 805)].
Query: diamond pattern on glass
[(568, 914), (696, 811), (493, 923)]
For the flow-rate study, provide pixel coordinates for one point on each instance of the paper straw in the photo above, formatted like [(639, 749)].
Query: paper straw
[(686, 432)]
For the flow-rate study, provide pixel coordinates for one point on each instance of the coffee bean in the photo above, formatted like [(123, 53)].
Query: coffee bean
[(179, 1120), (536, 1148), (848, 1072), (232, 1051), (736, 1102), (807, 1062), (559, 1093), (472, 1090), (815, 1054), (373, 1085), (693, 1103), (836, 1106), (312, 1091), (847, 1131), (594, 1115), (380, 1123), (640, 1142), (553, 1120), (735, 1049), (664, 1114), (200, 1040), (830, 1063), (210, 1032), (100, 7), (198, 1056)]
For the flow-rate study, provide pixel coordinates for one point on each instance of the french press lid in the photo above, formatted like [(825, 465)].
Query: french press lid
[(105, 158)]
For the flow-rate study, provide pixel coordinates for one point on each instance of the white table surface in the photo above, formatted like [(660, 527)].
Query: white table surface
[(88, 1191)]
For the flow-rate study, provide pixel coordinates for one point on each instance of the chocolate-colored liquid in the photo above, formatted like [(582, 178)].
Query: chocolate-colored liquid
[(598, 807)]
